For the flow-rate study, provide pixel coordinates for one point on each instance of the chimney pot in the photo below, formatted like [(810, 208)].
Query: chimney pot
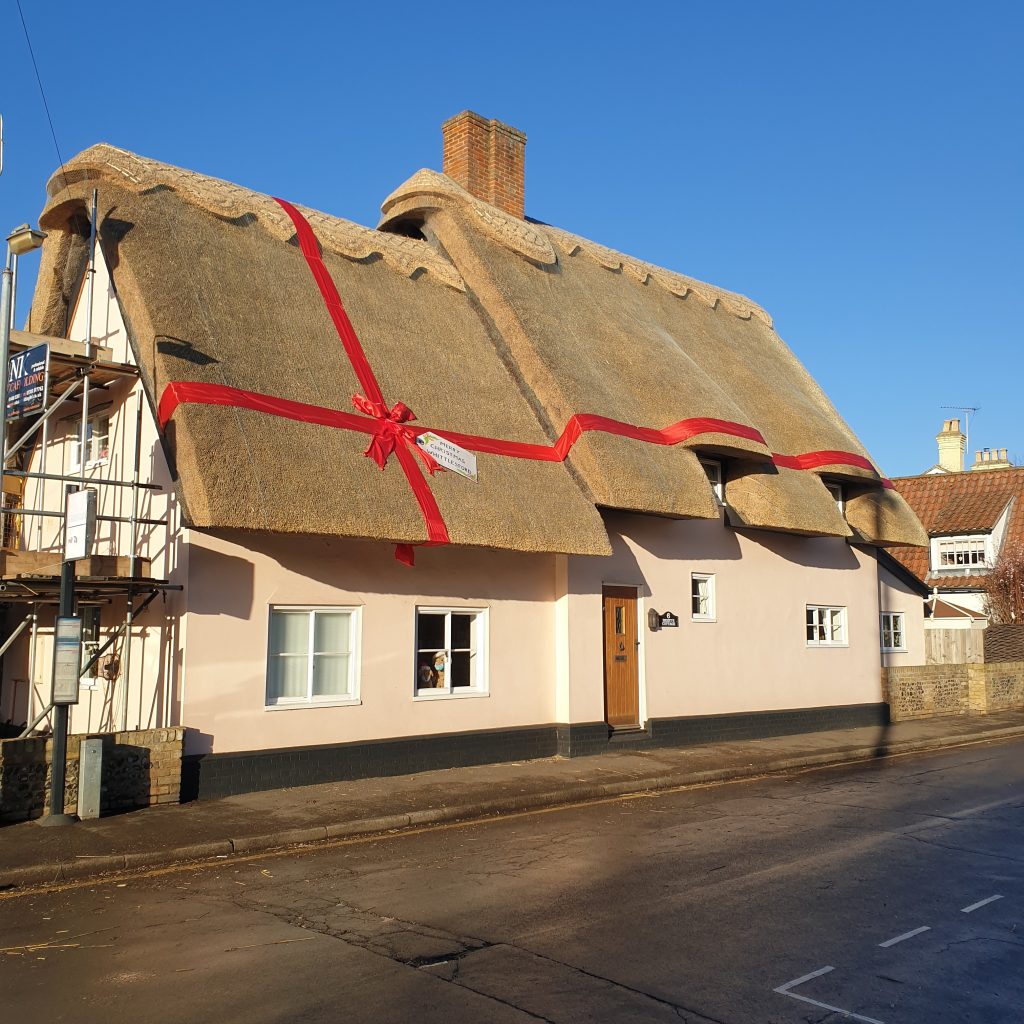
[(488, 159)]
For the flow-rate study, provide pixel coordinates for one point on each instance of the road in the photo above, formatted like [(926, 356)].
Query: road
[(890, 891)]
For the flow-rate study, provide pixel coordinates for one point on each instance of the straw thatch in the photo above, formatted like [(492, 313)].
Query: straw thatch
[(494, 326)]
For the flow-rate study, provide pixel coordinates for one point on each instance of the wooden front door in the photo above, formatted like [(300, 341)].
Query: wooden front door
[(621, 666)]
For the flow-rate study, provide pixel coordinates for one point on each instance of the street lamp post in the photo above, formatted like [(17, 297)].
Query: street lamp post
[(20, 241)]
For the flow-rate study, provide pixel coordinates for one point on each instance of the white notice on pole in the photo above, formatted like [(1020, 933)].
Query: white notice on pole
[(67, 659), (79, 524), (448, 454)]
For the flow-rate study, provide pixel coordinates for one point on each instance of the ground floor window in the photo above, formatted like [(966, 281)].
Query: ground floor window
[(893, 636), (702, 596), (450, 651), (312, 656), (826, 626)]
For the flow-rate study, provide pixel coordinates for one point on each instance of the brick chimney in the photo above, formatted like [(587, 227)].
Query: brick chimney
[(952, 443), (488, 159)]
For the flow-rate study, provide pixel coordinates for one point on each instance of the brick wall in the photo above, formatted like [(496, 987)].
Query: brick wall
[(1004, 643), (139, 769), (931, 691), (488, 159)]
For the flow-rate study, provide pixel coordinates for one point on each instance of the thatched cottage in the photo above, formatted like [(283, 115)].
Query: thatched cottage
[(671, 536)]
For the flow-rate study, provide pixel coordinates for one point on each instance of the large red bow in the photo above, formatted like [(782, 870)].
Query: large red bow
[(390, 430)]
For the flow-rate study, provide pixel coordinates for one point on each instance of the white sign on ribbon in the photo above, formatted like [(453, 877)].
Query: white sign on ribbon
[(448, 454)]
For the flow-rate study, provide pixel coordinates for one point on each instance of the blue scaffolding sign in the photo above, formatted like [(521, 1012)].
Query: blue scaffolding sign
[(28, 378)]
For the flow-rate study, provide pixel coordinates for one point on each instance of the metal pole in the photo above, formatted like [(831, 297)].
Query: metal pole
[(6, 307), (58, 770), (134, 563), (41, 483), (14, 288), (83, 436)]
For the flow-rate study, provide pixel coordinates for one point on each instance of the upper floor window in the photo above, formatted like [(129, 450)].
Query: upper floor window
[(826, 626), (836, 490), (312, 656), (450, 651), (97, 442), (960, 552), (893, 635), (713, 468)]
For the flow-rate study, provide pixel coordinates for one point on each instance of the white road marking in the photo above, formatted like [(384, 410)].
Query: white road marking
[(904, 936), (784, 990), (980, 903)]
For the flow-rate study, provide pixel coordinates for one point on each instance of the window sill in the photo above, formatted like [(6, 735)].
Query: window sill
[(456, 695), (309, 705), (894, 650), (95, 464), (814, 647), (703, 618)]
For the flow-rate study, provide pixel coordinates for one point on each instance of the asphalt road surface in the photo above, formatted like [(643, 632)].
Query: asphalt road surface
[(890, 891)]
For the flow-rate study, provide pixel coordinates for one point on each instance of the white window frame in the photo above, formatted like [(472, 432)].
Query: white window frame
[(825, 621), (893, 630), (966, 543), (716, 478), (449, 692), (354, 664), (836, 490), (74, 440), (712, 614)]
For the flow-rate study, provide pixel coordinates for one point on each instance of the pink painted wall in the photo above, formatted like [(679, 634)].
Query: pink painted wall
[(545, 640), (755, 656), (896, 596), (233, 581)]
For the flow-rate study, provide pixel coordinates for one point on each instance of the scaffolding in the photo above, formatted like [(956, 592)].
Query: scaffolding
[(30, 568)]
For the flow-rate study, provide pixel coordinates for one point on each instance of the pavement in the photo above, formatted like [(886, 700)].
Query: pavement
[(252, 822)]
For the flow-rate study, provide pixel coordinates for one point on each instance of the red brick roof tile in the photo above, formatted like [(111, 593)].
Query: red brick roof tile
[(954, 503)]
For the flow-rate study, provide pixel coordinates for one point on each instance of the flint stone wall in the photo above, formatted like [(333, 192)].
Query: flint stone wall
[(934, 691), (139, 769)]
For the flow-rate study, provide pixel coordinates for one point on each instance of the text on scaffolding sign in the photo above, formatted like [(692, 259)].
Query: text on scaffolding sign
[(28, 376), (79, 524)]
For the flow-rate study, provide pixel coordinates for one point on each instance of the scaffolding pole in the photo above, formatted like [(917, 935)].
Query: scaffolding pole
[(83, 436)]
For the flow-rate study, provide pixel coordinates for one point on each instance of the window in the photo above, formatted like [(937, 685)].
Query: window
[(312, 656), (90, 614), (450, 652), (893, 637), (714, 472), (836, 490), (702, 596), (97, 442), (826, 626), (961, 552)]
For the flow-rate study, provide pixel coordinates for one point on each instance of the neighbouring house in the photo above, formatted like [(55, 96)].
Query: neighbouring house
[(971, 517), (671, 536)]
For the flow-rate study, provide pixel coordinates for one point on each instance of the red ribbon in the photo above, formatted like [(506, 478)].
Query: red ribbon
[(389, 428), (391, 431)]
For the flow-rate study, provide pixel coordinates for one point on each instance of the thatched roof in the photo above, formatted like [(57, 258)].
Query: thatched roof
[(487, 325)]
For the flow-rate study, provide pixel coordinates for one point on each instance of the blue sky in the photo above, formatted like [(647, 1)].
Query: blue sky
[(857, 169)]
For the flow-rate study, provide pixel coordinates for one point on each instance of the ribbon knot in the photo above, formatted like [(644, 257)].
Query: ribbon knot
[(391, 428)]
